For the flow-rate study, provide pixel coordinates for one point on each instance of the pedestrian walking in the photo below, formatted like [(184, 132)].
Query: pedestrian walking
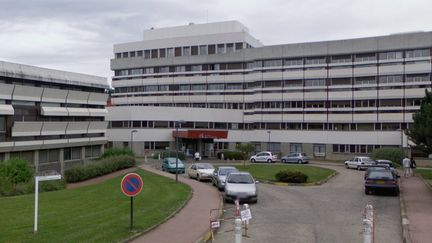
[(406, 164), (413, 165), (197, 156)]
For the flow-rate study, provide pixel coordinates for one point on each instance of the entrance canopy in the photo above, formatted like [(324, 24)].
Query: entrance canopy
[(201, 134)]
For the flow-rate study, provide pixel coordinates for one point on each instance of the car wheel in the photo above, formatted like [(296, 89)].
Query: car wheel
[(283, 161), (346, 166), (358, 167), (299, 161), (252, 160), (396, 192), (163, 169), (198, 178), (269, 161), (366, 191)]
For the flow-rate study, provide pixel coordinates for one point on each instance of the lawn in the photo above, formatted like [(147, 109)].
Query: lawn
[(97, 213), (426, 174), (267, 172)]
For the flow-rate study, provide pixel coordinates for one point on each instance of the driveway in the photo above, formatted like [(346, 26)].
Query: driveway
[(328, 213)]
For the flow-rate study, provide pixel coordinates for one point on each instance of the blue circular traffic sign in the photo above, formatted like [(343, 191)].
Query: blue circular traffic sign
[(131, 184)]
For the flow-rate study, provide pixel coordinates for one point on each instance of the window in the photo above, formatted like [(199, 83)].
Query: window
[(161, 145), (229, 47), (170, 52), (234, 86), (154, 53), (316, 60), (92, 151), (132, 54), (390, 79), (273, 63), (178, 51), (341, 59), (220, 48), (390, 102), (203, 50), (186, 51), (296, 148), (293, 62), (274, 147), (293, 83), (184, 87), (319, 150), (140, 53), (163, 87), (136, 71), (390, 55), (48, 155), (365, 57), (198, 87), (417, 53), (194, 50), (67, 154), (151, 88), (365, 80), (147, 54), (149, 70), (163, 69), (196, 68), (315, 82), (125, 54), (162, 53), (180, 68), (216, 86), (118, 55), (238, 45), (211, 49), (340, 81), (417, 78)]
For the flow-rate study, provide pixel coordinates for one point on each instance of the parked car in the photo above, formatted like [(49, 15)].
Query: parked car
[(220, 174), (201, 171), (389, 163), (169, 164), (300, 158), (381, 180), (377, 168), (359, 163), (242, 186), (264, 156)]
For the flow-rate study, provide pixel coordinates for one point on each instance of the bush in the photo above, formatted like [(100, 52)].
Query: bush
[(291, 176), (395, 155), (111, 152), (98, 168), (236, 155), (16, 170), (166, 154)]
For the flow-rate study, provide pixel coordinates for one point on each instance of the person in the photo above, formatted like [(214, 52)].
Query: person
[(406, 166), (197, 156), (413, 165)]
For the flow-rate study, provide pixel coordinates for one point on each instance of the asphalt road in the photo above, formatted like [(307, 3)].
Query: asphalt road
[(328, 213)]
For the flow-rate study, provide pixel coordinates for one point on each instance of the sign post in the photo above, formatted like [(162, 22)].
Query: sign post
[(48, 177), (131, 186)]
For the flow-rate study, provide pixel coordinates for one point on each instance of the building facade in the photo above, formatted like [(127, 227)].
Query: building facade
[(329, 99), (52, 119)]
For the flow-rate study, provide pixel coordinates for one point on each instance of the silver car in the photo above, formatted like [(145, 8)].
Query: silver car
[(300, 158), (220, 174), (201, 171), (241, 186)]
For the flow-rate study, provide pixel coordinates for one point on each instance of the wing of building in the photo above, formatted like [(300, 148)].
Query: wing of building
[(330, 98), (53, 119)]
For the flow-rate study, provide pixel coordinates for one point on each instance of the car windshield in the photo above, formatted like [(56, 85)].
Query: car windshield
[(380, 174), (240, 179), (205, 166), (173, 161), (226, 171), (367, 160)]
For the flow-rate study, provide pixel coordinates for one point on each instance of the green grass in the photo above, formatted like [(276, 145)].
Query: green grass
[(267, 172), (425, 173), (96, 213)]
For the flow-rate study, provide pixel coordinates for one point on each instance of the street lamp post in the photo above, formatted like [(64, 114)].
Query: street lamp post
[(131, 138), (177, 124)]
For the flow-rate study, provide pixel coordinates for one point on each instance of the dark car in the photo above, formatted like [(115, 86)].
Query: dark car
[(384, 162), (170, 165), (381, 180)]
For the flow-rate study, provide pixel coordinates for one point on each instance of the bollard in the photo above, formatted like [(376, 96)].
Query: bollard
[(238, 230), (145, 159), (368, 224), (158, 156), (246, 207)]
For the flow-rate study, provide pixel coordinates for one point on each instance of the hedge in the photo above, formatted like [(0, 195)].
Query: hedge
[(99, 168), (7, 188), (111, 152), (16, 170), (236, 155), (395, 155), (166, 154), (291, 176)]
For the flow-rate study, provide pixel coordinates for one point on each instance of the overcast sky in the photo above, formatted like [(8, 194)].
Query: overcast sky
[(78, 35)]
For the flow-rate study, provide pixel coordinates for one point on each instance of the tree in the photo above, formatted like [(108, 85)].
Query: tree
[(246, 149), (420, 132)]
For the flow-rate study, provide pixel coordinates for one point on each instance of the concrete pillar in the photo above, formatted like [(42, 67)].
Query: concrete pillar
[(102, 149), (61, 160), (83, 154), (36, 161), (7, 156)]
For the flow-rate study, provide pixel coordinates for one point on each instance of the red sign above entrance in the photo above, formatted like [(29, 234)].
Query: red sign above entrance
[(200, 134)]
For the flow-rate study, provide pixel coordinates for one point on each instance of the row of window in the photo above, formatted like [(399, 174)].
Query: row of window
[(369, 80), (280, 63), (184, 51), (262, 125)]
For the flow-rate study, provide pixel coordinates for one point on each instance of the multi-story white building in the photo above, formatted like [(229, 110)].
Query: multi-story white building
[(330, 98), (52, 119)]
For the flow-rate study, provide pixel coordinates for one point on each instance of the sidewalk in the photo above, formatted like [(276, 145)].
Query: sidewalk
[(192, 222), (418, 201)]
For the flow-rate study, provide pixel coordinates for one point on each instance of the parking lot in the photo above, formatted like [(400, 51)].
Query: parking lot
[(328, 213)]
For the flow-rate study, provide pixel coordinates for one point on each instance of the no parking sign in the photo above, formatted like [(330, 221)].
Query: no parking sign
[(131, 186)]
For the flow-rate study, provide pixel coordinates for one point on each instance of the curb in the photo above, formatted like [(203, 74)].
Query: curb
[(317, 183), (129, 239), (404, 218)]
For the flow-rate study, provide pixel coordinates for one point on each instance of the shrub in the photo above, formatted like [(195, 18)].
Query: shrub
[(291, 176), (166, 154), (393, 154), (111, 152), (16, 170), (98, 168), (236, 155)]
